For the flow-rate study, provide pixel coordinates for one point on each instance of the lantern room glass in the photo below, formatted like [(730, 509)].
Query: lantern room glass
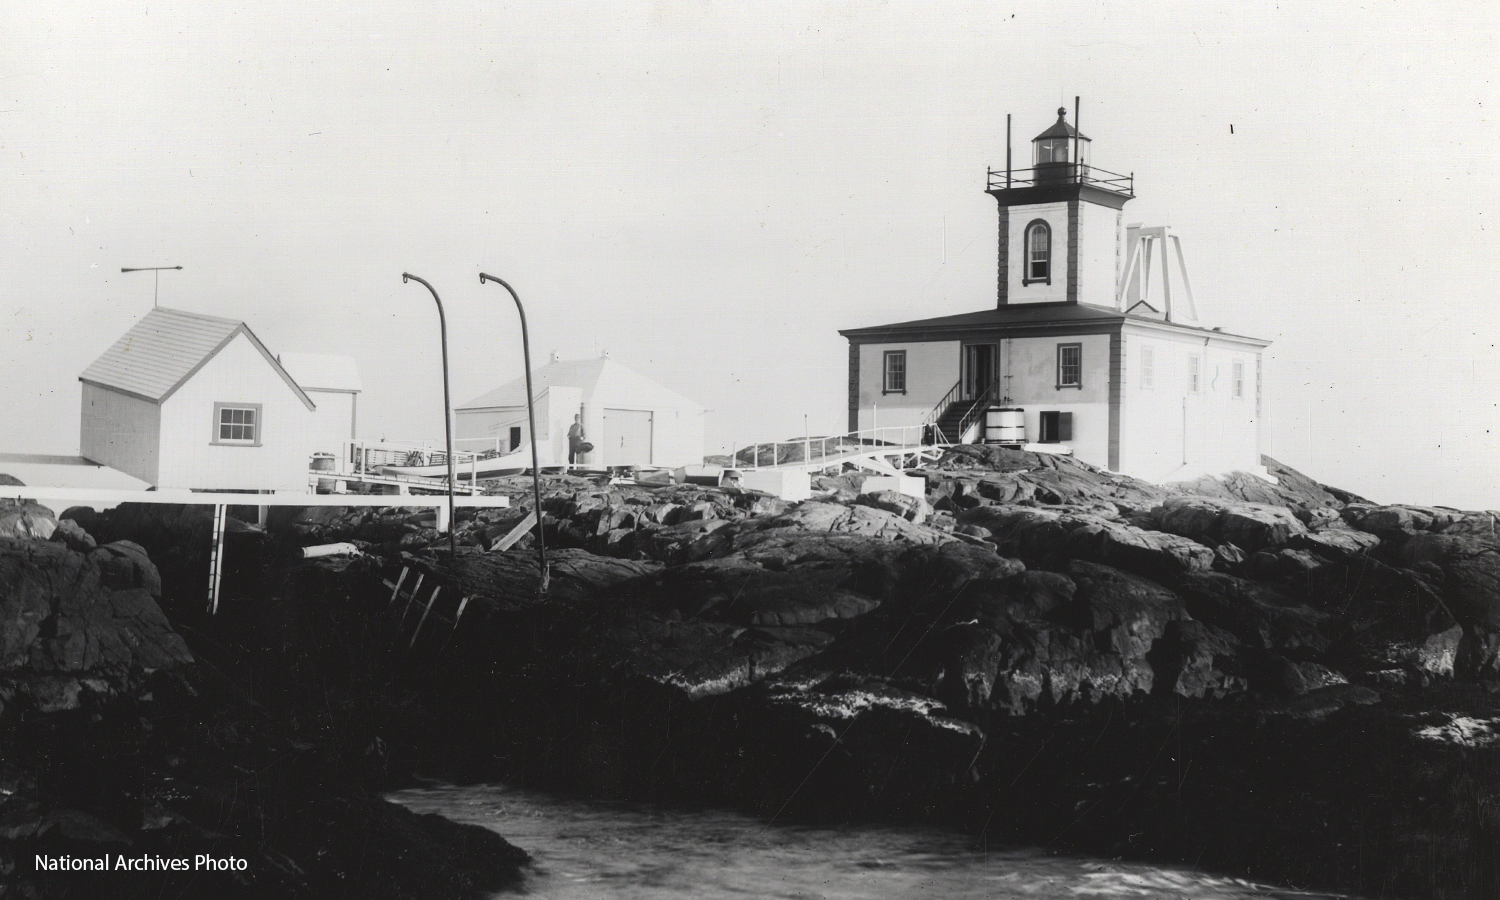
[(1059, 150)]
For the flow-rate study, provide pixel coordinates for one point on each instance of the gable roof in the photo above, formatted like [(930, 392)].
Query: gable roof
[(166, 348), (603, 381), (322, 372), (1025, 316)]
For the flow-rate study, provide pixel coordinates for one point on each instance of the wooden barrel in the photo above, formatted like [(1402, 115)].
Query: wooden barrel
[(323, 462), (1005, 426)]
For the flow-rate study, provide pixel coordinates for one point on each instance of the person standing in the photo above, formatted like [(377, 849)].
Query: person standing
[(575, 440)]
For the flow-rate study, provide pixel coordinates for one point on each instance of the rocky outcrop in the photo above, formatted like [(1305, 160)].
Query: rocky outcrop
[(1034, 635), (1467, 569), (74, 624), (118, 741), (1045, 536), (26, 521), (1248, 526), (869, 521), (1193, 671), (912, 509)]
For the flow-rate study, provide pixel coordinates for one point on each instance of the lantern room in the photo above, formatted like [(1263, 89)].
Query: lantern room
[(1055, 145)]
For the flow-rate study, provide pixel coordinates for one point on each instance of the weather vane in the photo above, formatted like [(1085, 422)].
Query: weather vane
[(158, 271)]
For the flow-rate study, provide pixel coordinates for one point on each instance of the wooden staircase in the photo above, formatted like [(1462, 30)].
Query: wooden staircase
[(950, 423)]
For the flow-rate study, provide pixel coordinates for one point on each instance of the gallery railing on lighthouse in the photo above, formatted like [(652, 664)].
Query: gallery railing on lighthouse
[(1062, 173)]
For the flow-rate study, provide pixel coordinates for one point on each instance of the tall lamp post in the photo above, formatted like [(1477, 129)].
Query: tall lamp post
[(536, 469), (447, 412), (158, 270)]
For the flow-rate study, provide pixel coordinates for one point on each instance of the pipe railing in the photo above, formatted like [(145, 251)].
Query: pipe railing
[(931, 419), (835, 449), (981, 403), (1058, 173)]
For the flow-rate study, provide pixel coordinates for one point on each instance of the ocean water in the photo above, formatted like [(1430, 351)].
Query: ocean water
[(606, 851)]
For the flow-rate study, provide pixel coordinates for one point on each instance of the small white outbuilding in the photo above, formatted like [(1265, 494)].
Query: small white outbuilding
[(185, 400), (334, 385), (630, 419)]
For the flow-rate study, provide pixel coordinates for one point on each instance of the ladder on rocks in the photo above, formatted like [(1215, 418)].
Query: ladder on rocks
[(216, 557)]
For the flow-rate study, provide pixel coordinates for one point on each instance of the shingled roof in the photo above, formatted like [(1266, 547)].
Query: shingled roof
[(164, 349)]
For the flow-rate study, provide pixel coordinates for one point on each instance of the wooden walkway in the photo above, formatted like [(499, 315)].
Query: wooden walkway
[(220, 501)]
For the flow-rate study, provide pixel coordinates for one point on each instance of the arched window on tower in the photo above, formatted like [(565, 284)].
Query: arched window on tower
[(1038, 253)]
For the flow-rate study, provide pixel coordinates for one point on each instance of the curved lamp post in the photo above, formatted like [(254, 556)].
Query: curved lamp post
[(536, 469), (447, 411)]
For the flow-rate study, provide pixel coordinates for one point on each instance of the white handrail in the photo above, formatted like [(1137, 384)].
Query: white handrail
[(886, 439)]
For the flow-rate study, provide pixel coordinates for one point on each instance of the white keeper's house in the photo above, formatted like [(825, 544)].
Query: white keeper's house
[(1094, 338), (185, 400)]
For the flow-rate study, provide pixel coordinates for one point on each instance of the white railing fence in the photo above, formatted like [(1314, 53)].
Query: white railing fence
[(830, 450), (360, 459)]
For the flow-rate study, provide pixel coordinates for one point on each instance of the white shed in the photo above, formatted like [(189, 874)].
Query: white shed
[(184, 400), (334, 385), (630, 419)]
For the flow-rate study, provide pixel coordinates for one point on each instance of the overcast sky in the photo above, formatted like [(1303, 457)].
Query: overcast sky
[(710, 191)]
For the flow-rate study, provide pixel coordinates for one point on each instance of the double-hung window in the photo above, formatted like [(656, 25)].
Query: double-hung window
[(1195, 374), (1069, 365), (895, 372), (1148, 368), (1239, 379), (237, 424), (1038, 253)]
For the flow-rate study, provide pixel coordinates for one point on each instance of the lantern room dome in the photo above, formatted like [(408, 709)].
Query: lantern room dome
[(1061, 128), (1055, 145)]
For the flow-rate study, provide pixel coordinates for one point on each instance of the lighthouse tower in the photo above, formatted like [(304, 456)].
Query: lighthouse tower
[(1060, 223), (1093, 347)]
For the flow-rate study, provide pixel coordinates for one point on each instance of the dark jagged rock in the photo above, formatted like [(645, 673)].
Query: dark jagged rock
[(912, 509), (1335, 543), (1125, 613), (1250, 527), (67, 624), (1258, 615), (117, 742), (72, 535), (836, 518), (1469, 567), (1396, 521), (1195, 659), (1047, 537), (1030, 662), (1228, 671), (1150, 553)]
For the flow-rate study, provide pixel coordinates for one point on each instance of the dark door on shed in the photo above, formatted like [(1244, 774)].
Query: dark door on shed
[(627, 438)]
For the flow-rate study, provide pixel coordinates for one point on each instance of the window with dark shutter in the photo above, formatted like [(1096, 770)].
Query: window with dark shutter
[(1056, 427)]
